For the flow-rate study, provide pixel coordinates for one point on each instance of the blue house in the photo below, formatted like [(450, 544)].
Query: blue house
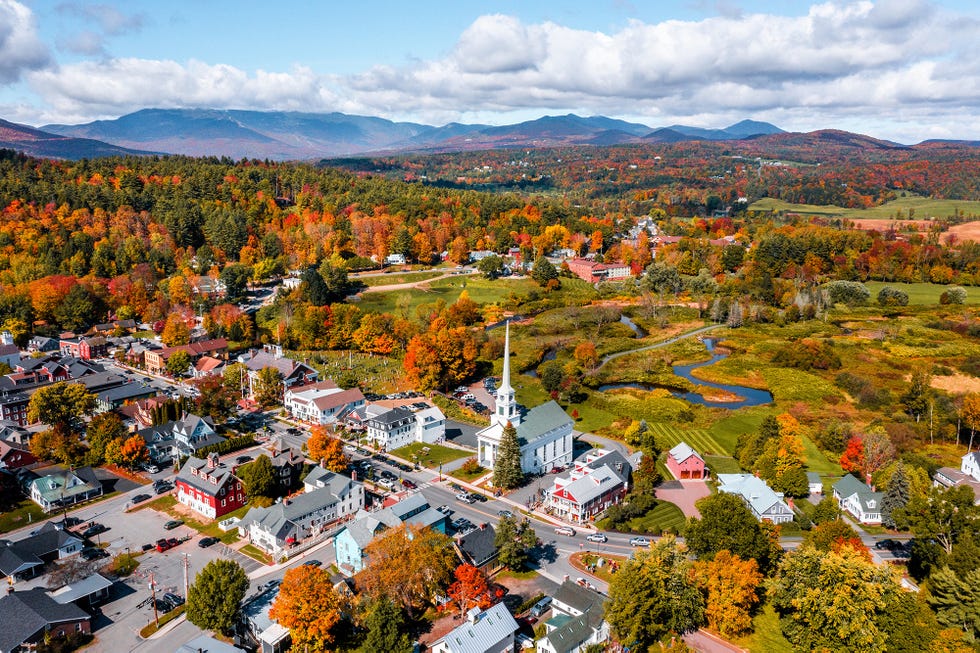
[(353, 538)]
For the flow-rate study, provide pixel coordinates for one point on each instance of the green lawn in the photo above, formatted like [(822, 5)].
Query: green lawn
[(746, 420), (722, 465), (430, 455), (26, 512), (923, 208), (167, 502), (400, 277), (700, 440), (920, 294), (469, 478), (665, 515), (768, 636)]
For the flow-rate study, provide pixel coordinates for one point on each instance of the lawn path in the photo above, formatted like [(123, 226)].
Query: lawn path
[(658, 345)]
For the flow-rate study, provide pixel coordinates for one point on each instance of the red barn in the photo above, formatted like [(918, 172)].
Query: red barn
[(209, 487), (684, 462)]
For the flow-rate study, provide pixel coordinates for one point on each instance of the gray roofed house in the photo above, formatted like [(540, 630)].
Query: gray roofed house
[(477, 548), (597, 480), (30, 616), (488, 631), (764, 503), (858, 499), (302, 516), (64, 487), (114, 397), (89, 591), (577, 620), (259, 629), (353, 538), (18, 563), (814, 483)]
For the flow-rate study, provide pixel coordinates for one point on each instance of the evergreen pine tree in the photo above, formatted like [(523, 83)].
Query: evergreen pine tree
[(895, 498), (507, 473), (385, 623)]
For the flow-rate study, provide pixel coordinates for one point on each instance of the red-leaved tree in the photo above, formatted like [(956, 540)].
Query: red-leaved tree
[(472, 590)]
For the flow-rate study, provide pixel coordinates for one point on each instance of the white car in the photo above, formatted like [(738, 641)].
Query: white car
[(597, 537), (565, 530), (639, 541)]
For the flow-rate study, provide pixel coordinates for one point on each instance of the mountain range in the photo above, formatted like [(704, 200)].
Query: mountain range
[(282, 135)]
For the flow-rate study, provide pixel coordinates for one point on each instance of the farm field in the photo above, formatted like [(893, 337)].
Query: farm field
[(921, 207), (921, 294), (668, 436)]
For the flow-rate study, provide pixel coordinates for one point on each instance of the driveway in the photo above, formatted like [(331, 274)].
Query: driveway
[(462, 434), (684, 494)]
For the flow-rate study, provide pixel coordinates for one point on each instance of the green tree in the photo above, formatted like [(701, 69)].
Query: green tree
[(915, 400), (652, 595), (235, 276), (216, 400), (852, 293), (507, 472), (552, 375), (491, 267), (832, 601), (102, 429), (214, 597), (178, 363), (543, 271), (889, 296), (896, 498), (965, 557), (662, 279), (826, 510), (909, 623), (514, 540), (259, 477), (62, 406), (268, 387), (727, 523), (942, 515), (956, 599), (79, 308), (336, 281), (386, 626)]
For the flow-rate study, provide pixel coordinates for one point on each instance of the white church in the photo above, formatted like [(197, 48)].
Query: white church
[(545, 432)]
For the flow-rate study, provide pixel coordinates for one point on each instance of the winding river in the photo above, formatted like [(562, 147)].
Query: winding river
[(749, 396)]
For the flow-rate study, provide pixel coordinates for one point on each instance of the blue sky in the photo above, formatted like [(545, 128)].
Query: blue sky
[(900, 69)]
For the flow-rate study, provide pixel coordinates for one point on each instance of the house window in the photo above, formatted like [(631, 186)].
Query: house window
[(222, 503), (78, 627)]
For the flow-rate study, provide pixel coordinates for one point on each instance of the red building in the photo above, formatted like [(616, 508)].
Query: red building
[(209, 487), (14, 456), (589, 270), (684, 462), (85, 348)]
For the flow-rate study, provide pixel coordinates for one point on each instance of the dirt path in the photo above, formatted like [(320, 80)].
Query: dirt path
[(658, 345), (418, 285)]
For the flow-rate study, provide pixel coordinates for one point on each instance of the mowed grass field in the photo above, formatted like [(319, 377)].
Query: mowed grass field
[(922, 207), (922, 294), (700, 440)]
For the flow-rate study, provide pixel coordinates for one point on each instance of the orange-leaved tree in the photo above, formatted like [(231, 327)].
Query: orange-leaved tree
[(731, 587), (852, 460), (472, 590), (309, 606), (133, 452), (408, 564), (330, 450)]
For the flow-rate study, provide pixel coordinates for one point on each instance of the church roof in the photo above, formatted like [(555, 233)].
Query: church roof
[(540, 420)]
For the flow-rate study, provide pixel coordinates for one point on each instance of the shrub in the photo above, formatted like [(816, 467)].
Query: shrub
[(808, 354), (852, 293), (953, 295), (889, 296), (470, 466)]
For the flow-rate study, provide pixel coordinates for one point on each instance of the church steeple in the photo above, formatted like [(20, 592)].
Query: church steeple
[(506, 409)]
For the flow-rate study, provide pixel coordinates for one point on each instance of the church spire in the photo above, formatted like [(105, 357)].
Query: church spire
[(506, 408)]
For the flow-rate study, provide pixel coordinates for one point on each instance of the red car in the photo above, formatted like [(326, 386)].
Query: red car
[(163, 544), (409, 484)]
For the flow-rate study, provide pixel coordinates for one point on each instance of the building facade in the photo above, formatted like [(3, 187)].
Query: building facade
[(209, 487)]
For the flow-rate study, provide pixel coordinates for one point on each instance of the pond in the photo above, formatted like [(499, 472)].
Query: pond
[(637, 329), (749, 396)]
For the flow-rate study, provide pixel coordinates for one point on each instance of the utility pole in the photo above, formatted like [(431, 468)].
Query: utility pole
[(153, 599), (186, 564)]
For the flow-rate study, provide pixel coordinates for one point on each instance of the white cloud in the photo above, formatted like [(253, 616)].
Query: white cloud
[(887, 62), (21, 49)]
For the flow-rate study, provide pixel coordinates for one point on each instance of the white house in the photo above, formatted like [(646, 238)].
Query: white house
[(814, 483), (576, 620), (545, 432), (321, 403), (489, 631), (970, 465), (328, 498), (597, 480), (391, 428), (859, 500), (764, 503), (968, 474)]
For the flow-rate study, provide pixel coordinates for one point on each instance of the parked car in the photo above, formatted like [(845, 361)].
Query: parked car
[(540, 607), (174, 599), (597, 537), (409, 484), (163, 605), (151, 468), (243, 459), (312, 563), (885, 544), (172, 524), (140, 498), (565, 530), (205, 542), (71, 522), (478, 497), (94, 529), (162, 544), (639, 541), (504, 513), (93, 553), (162, 488)]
